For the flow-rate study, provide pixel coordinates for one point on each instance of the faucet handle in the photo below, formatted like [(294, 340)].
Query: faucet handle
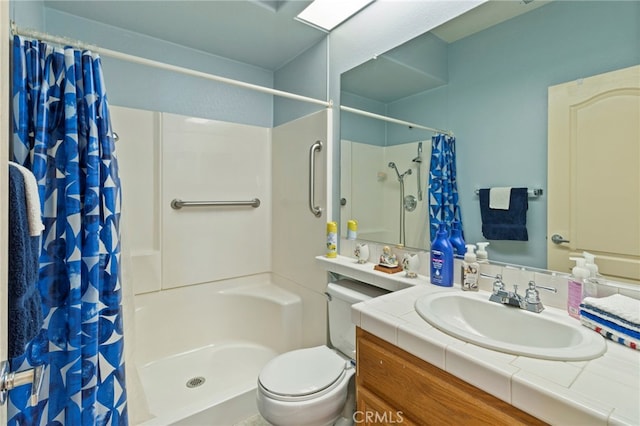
[(498, 285), (533, 295), (551, 289)]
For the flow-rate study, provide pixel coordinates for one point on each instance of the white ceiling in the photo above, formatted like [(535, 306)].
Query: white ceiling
[(257, 32)]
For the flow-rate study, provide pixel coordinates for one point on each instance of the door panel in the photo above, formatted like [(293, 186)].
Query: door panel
[(594, 173)]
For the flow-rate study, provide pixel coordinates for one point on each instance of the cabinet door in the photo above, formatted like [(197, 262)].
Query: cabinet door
[(371, 410), (423, 393)]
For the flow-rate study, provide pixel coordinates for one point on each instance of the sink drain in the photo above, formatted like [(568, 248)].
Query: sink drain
[(195, 382)]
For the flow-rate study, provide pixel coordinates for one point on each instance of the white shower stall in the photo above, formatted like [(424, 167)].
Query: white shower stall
[(218, 290)]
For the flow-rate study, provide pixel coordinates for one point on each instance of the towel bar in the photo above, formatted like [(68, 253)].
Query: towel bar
[(531, 192), (177, 204)]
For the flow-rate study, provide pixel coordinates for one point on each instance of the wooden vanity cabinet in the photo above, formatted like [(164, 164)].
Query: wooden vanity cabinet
[(394, 387)]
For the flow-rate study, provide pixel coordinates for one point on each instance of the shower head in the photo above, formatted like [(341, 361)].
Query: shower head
[(393, 166)]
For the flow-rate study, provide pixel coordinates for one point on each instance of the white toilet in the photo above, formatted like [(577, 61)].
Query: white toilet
[(308, 387)]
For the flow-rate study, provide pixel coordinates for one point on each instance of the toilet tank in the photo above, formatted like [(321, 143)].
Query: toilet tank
[(342, 294)]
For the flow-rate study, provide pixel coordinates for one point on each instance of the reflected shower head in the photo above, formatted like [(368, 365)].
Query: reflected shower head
[(393, 166), (400, 176)]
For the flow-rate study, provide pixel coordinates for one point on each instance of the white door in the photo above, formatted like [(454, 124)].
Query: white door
[(594, 172), (4, 156)]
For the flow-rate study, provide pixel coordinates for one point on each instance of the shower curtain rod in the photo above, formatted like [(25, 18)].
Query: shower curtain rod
[(394, 120), (157, 64)]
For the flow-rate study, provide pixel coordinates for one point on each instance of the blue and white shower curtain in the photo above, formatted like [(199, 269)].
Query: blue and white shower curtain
[(62, 132), (443, 187)]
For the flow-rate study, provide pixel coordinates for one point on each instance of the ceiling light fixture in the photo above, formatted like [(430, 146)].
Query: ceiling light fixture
[(328, 14)]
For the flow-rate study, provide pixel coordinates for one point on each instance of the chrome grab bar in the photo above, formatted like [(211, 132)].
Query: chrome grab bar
[(316, 210), (10, 380), (177, 204)]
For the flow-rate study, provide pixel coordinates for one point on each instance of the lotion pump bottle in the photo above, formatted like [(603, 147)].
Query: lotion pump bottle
[(576, 282), (470, 270), (481, 254), (442, 259)]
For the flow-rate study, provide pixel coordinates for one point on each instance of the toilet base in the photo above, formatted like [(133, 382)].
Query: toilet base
[(323, 411)]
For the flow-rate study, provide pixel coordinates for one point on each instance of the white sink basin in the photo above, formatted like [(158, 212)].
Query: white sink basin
[(471, 317)]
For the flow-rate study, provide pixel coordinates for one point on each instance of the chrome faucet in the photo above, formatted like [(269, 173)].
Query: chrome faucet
[(530, 302)]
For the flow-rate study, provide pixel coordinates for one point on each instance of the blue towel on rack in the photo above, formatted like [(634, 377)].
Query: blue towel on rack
[(508, 224), (25, 305)]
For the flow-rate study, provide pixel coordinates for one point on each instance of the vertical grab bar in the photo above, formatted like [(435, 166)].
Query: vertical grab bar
[(316, 210)]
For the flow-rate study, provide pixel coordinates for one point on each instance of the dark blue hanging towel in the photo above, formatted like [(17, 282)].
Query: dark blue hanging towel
[(25, 309), (508, 224)]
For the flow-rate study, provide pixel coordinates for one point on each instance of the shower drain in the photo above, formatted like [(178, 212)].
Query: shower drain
[(195, 382)]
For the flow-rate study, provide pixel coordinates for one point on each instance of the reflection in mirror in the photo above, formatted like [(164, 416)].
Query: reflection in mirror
[(373, 190), (488, 84)]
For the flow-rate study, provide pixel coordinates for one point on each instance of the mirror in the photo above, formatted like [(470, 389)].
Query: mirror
[(484, 76)]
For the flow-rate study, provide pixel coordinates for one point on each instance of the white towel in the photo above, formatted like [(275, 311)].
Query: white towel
[(33, 200), (499, 198), (617, 304), (610, 317)]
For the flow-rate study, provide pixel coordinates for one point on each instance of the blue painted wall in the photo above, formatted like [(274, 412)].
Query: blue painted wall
[(358, 128), (305, 75), (496, 101), (143, 87), (138, 86)]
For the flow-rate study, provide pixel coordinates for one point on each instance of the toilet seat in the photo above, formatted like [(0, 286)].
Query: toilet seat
[(319, 370)]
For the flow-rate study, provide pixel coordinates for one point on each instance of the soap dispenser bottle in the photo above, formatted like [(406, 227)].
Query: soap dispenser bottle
[(456, 239), (578, 274), (442, 259), (481, 254), (470, 270), (590, 287)]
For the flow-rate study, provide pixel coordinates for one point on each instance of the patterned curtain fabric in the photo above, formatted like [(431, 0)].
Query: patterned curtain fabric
[(443, 187), (62, 132)]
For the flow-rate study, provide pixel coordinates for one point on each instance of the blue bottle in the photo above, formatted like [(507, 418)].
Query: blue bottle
[(442, 259), (456, 240)]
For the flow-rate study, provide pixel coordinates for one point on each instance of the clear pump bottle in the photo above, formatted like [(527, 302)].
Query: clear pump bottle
[(590, 287), (481, 254)]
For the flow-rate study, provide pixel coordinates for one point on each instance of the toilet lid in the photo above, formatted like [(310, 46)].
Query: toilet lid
[(302, 372)]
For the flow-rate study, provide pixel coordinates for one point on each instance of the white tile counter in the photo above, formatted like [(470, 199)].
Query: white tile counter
[(605, 390)]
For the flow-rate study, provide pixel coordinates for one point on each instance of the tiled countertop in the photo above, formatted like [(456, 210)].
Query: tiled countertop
[(605, 390)]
